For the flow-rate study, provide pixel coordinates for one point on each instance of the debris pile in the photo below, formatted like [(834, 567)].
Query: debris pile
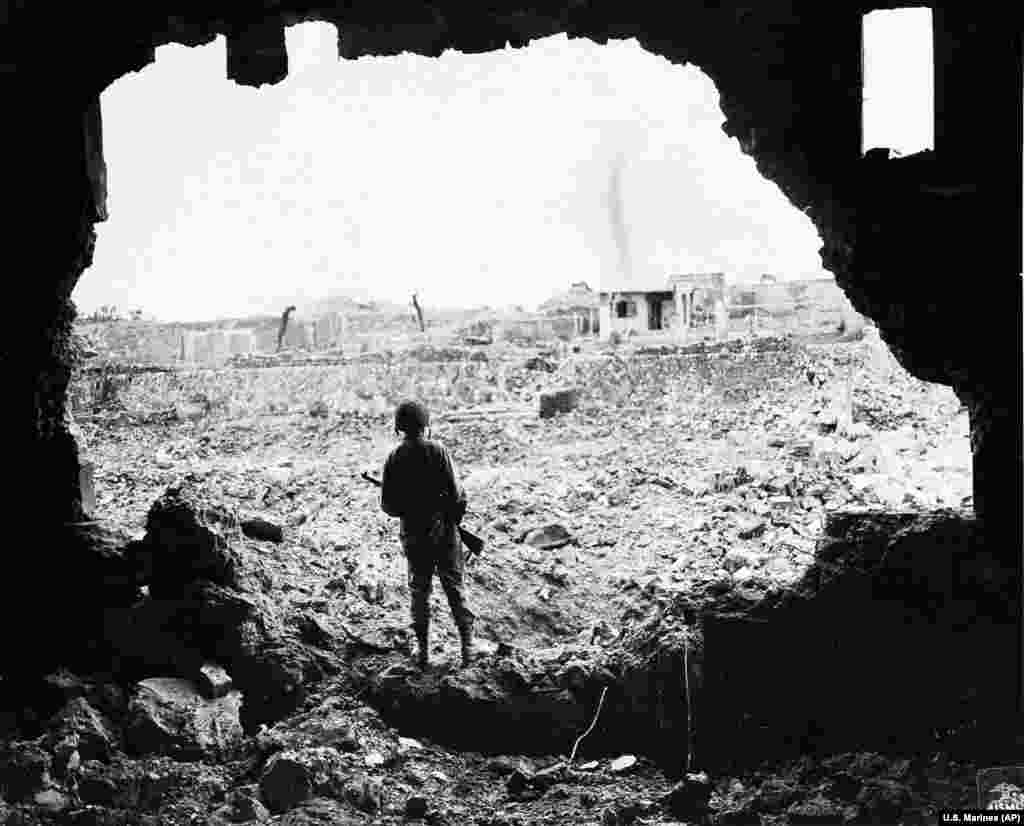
[(274, 600)]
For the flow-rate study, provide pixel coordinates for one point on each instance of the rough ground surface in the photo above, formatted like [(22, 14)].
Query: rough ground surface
[(718, 478), (657, 488)]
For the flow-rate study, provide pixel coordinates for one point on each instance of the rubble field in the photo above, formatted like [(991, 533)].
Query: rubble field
[(711, 470)]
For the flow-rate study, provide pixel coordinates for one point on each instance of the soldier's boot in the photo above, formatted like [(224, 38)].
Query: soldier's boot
[(466, 636), (422, 646)]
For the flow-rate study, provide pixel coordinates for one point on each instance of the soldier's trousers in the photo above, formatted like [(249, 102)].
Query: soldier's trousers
[(447, 561)]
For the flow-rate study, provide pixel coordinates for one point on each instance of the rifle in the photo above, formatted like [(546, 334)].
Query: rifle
[(474, 544)]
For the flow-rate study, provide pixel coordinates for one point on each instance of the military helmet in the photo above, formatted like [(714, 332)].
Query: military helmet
[(411, 417)]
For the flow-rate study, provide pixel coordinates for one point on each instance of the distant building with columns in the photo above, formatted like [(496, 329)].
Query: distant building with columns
[(668, 306)]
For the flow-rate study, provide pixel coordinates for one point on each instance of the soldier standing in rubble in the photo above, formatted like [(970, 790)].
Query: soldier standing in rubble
[(419, 485)]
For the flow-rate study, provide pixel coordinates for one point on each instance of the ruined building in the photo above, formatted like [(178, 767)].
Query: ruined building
[(943, 224)]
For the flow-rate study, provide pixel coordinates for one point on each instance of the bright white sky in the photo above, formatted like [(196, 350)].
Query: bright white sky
[(476, 179)]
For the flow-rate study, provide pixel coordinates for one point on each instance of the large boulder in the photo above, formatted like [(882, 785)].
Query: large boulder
[(294, 776), (186, 539), (241, 631), (170, 716), (246, 633), (207, 604)]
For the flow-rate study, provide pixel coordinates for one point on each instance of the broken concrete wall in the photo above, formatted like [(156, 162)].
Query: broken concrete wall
[(207, 344), (535, 329), (135, 342), (799, 305), (205, 347), (359, 385), (329, 331), (449, 382)]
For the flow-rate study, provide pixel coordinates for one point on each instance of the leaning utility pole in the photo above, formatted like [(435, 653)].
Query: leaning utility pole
[(284, 325), (419, 313)]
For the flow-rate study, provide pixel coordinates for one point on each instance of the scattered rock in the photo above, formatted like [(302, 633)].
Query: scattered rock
[(414, 776), (51, 800), (781, 568), (736, 559), (66, 759), (783, 484), (365, 793), (688, 799), (858, 430), (563, 400), (622, 764), (24, 770), (95, 787), (503, 765), (744, 574), (244, 806), (94, 734), (242, 630), (407, 744), (619, 814), (169, 716), (538, 363), (314, 631), (748, 526), (518, 782), (549, 537), (256, 527), (320, 811), (775, 796), (728, 480), (883, 800), (719, 584), (416, 807), (292, 776), (818, 811), (347, 740), (742, 816)]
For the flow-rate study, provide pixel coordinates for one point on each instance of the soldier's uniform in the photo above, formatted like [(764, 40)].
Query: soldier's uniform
[(420, 485)]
